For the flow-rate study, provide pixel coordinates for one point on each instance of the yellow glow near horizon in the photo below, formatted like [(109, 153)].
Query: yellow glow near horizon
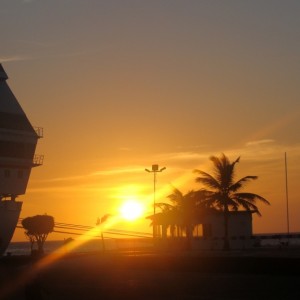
[(131, 210)]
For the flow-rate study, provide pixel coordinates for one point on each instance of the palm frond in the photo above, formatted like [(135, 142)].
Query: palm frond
[(239, 184), (176, 197), (215, 200), (218, 167), (247, 205), (207, 180), (232, 165), (164, 206), (251, 197), (224, 170)]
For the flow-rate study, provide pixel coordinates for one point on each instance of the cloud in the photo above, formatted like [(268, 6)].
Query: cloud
[(259, 150), (179, 167), (182, 156), (109, 172), (118, 171), (12, 58), (260, 142)]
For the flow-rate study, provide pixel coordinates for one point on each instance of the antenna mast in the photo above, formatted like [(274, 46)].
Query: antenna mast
[(287, 194)]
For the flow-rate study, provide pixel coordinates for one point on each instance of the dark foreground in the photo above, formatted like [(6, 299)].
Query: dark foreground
[(153, 276)]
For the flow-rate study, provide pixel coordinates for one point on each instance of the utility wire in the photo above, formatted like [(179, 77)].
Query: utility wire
[(67, 226)]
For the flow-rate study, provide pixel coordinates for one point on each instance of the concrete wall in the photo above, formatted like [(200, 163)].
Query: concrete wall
[(239, 224)]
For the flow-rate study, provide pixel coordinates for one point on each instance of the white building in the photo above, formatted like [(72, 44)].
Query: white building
[(18, 140), (209, 230), (212, 231)]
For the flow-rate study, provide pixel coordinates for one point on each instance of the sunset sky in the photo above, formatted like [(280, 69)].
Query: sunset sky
[(121, 85)]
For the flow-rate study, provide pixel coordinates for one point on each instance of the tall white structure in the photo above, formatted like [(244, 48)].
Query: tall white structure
[(18, 140)]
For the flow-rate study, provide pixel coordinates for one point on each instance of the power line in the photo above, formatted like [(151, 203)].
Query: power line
[(86, 229)]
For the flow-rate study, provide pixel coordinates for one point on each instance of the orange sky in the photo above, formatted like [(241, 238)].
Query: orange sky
[(118, 86)]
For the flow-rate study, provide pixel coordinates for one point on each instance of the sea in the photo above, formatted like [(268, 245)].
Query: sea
[(93, 245), (130, 244)]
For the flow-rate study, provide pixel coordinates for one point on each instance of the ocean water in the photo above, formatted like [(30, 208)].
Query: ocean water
[(132, 244), (23, 248)]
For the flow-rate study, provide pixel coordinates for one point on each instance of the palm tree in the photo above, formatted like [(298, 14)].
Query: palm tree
[(222, 192), (184, 212), (185, 204), (168, 218)]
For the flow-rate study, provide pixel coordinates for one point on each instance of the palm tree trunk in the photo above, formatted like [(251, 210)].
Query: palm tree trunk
[(226, 246), (189, 236), (164, 232)]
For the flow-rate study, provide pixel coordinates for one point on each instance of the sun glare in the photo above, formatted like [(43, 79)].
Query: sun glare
[(131, 210)]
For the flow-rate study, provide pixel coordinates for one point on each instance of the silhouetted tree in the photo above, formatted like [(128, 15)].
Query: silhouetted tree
[(186, 206), (168, 218), (222, 191), (37, 229), (184, 213)]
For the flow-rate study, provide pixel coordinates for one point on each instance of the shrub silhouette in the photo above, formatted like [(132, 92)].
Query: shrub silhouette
[(37, 229)]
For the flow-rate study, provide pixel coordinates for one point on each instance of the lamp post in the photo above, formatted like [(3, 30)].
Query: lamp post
[(155, 169)]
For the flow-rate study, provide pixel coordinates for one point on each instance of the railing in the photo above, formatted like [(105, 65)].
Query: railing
[(39, 131), (38, 160)]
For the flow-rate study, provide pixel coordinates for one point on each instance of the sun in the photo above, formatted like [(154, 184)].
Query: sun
[(131, 210)]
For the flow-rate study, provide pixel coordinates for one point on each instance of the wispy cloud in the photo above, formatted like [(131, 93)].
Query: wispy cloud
[(260, 142), (13, 58), (118, 171), (109, 172), (182, 156), (179, 167), (266, 149)]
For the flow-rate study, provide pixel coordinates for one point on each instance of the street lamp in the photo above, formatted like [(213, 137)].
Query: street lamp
[(155, 169)]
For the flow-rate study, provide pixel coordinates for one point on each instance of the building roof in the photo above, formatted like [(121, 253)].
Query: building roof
[(3, 75), (12, 115)]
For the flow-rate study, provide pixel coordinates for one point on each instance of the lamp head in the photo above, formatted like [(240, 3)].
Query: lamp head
[(154, 168)]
